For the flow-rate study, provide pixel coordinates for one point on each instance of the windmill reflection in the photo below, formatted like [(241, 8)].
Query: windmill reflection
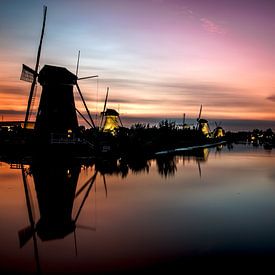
[(56, 190), (55, 186), (167, 164), (202, 156)]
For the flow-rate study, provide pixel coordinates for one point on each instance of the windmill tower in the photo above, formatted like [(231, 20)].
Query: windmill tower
[(56, 112)]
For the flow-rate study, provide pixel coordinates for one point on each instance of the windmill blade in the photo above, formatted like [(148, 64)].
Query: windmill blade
[(105, 185), (199, 117), (25, 235), (104, 108), (27, 74), (199, 166), (36, 69), (87, 121), (77, 64), (84, 186), (106, 98), (28, 232), (86, 196), (77, 67), (87, 110), (86, 227), (87, 77)]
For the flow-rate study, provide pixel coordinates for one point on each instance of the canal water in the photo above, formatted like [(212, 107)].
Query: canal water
[(201, 209)]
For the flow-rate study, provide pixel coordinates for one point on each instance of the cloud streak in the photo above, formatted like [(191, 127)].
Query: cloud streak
[(211, 26), (271, 98), (207, 24)]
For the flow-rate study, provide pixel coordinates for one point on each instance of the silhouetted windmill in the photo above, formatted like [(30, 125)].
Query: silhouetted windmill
[(57, 112)]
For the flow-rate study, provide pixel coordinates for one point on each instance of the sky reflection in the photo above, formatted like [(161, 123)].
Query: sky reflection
[(147, 219)]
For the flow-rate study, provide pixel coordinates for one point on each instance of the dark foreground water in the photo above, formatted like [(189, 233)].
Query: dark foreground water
[(215, 207)]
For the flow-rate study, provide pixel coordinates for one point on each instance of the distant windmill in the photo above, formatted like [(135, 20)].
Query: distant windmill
[(199, 117), (202, 124), (110, 119), (218, 132)]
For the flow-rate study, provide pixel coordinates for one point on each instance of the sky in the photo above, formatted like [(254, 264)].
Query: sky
[(159, 58)]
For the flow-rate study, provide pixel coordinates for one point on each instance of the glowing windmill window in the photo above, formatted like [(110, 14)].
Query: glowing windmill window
[(70, 132)]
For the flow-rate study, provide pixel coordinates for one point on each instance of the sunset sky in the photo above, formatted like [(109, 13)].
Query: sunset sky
[(160, 58)]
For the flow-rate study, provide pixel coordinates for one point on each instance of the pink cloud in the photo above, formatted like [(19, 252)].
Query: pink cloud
[(186, 12), (212, 27)]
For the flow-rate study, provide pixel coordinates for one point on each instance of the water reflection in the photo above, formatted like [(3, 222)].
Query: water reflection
[(56, 181), (167, 164), (58, 186)]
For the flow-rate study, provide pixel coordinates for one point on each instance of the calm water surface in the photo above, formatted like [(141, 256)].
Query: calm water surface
[(136, 216)]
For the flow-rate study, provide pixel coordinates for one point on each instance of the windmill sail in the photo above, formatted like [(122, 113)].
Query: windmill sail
[(27, 74), (36, 69)]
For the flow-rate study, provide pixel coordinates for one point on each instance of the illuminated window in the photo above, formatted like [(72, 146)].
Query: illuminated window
[(70, 133)]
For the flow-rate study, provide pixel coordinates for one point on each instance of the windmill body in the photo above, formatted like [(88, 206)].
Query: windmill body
[(56, 112), (204, 127), (218, 132), (111, 123)]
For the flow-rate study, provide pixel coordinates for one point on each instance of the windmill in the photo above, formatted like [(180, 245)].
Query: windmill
[(56, 112), (202, 124), (110, 119), (218, 132)]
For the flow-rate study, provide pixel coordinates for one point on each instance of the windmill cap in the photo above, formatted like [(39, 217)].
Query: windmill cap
[(202, 120), (56, 75), (111, 112)]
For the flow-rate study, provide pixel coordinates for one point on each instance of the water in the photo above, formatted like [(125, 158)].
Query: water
[(158, 215)]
